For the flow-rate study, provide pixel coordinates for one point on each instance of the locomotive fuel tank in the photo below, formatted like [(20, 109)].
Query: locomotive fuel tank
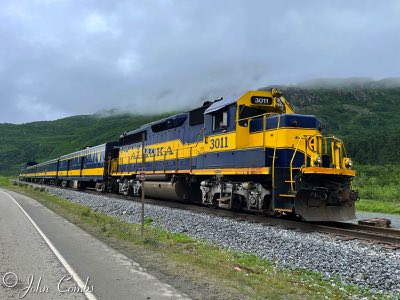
[(168, 190)]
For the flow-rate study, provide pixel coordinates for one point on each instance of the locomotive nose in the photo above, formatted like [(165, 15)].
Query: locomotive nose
[(324, 205)]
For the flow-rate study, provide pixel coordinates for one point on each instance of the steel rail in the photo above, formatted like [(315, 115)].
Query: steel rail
[(387, 236)]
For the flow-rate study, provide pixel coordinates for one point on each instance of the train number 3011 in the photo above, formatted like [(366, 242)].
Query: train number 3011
[(218, 143)]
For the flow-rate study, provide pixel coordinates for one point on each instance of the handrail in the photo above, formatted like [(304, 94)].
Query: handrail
[(165, 156), (324, 139), (291, 164), (258, 116), (177, 159), (190, 160), (305, 151), (264, 129), (273, 159)]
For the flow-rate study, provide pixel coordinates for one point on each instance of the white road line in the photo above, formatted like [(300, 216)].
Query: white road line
[(66, 265)]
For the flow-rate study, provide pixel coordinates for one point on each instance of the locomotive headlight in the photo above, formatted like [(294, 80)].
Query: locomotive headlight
[(348, 162), (318, 160)]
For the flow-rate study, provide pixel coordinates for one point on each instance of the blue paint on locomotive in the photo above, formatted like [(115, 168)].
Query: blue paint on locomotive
[(175, 128), (178, 128)]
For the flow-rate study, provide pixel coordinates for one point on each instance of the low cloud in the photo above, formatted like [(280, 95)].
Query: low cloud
[(61, 58)]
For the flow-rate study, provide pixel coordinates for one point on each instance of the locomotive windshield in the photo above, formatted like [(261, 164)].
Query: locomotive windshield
[(246, 112)]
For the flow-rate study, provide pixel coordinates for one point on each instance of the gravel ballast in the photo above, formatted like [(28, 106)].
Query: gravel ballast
[(371, 266)]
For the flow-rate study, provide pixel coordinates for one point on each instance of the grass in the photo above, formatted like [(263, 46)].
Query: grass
[(41, 141), (206, 271), (379, 188), (378, 206)]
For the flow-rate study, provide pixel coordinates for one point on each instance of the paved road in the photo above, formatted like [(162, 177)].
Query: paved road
[(61, 261)]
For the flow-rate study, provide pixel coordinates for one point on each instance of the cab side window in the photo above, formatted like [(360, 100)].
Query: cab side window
[(220, 120)]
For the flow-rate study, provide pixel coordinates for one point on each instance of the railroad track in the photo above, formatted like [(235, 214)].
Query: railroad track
[(388, 237)]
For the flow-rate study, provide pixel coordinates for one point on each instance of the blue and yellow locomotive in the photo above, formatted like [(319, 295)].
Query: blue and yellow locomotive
[(248, 153)]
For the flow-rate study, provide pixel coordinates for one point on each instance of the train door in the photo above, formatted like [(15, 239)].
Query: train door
[(68, 166), (82, 165), (183, 150), (242, 128), (250, 126), (57, 168)]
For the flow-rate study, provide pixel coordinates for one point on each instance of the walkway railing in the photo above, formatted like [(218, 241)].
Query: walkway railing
[(322, 145)]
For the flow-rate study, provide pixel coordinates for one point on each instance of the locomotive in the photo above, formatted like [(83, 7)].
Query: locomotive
[(249, 153)]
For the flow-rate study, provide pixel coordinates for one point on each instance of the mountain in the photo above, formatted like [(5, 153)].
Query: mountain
[(363, 112), (39, 141)]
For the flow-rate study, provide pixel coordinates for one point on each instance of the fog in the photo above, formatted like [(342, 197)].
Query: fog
[(63, 58)]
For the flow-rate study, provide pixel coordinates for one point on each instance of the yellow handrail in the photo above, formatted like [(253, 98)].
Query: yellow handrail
[(324, 141), (291, 165), (269, 114), (274, 157), (264, 129)]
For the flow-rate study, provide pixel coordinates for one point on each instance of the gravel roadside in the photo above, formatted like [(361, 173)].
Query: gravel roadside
[(371, 266)]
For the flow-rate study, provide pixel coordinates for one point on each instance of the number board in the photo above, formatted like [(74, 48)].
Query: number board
[(261, 100), (219, 142)]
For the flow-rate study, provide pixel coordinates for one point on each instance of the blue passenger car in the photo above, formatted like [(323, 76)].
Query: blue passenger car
[(89, 167)]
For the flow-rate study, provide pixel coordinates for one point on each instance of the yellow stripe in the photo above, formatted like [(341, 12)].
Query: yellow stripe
[(29, 175), (74, 172), (233, 171), (225, 171), (85, 172), (93, 172), (319, 170), (52, 173)]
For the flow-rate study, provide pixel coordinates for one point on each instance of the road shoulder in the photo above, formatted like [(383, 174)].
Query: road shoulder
[(112, 274)]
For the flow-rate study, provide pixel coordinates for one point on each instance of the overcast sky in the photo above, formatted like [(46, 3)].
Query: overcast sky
[(62, 58)]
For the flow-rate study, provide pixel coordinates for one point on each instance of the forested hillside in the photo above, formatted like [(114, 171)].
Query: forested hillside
[(365, 114), (40, 141)]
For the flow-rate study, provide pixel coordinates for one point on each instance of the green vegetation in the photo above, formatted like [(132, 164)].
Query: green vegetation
[(40, 141), (366, 115), (206, 271), (379, 188)]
